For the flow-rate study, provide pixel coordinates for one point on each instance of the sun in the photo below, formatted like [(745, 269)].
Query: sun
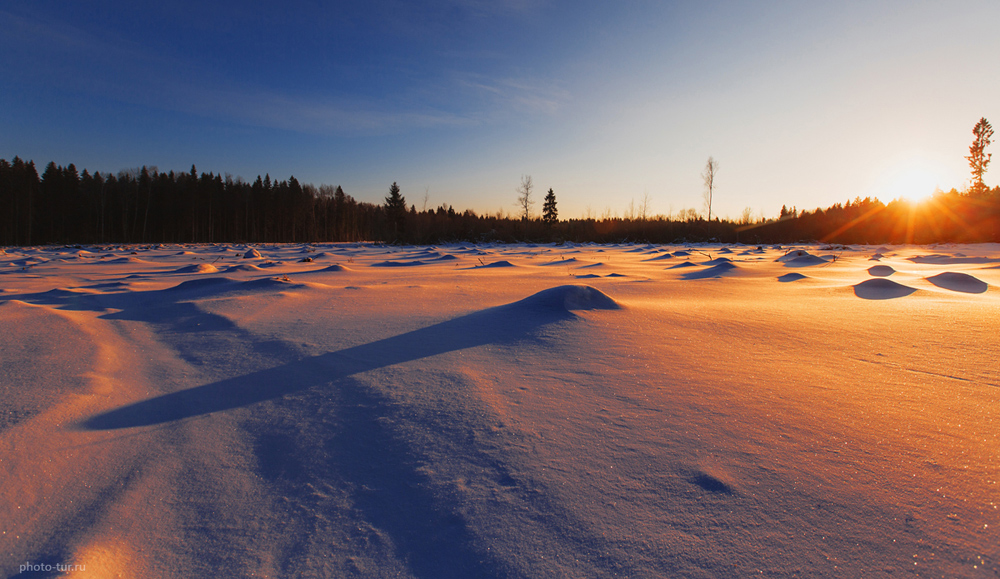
[(915, 179), (917, 187)]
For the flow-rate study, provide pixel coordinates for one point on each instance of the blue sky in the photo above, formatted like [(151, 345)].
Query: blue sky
[(804, 104)]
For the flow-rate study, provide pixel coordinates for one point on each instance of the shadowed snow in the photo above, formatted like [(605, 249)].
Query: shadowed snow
[(881, 289), (881, 270), (959, 282), (501, 324)]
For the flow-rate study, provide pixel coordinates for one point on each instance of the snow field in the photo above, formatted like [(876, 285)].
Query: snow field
[(488, 411)]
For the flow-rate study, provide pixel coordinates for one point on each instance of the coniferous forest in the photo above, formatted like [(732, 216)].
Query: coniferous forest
[(64, 206)]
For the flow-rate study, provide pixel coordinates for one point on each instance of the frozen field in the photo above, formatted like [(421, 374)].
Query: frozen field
[(500, 411)]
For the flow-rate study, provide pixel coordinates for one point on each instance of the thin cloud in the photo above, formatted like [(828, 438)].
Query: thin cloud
[(283, 111), (519, 95)]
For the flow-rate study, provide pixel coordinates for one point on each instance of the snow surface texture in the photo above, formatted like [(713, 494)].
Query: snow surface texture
[(500, 411)]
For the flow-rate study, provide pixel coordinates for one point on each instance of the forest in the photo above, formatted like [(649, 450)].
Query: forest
[(145, 205)]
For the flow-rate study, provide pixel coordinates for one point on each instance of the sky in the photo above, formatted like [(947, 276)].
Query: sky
[(802, 104)]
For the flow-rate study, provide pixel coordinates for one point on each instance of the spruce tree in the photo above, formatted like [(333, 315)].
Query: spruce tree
[(395, 209), (549, 212)]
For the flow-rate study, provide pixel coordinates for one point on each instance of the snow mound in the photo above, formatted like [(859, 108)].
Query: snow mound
[(399, 263), (587, 276), (569, 261), (959, 282), (569, 298), (660, 256), (794, 276), (714, 271), (881, 270), (800, 258), (446, 257), (244, 267), (881, 289), (718, 261), (424, 255), (335, 267), (685, 264), (939, 259), (712, 483), (725, 250), (616, 275), (201, 285), (252, 254), (198, 268), (794, 255), (501, 263), (214, 286), (682, 253)]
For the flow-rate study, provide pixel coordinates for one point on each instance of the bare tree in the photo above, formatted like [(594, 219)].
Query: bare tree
[(644, 206), (524, 196), (711, 168)]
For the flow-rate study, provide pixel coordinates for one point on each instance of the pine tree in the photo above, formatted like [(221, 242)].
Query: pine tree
[(395, 209), (978, 157), (550, 215)]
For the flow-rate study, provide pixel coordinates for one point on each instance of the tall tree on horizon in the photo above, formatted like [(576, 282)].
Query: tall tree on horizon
[(524, 200), (395, 208), (978, 158), (550, 215), (711, 168)]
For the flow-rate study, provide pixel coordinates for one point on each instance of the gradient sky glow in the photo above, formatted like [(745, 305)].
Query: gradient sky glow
[(801, 103)]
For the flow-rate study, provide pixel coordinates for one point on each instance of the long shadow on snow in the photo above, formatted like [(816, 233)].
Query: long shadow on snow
[(502, 324), (172, 311), (390, 491)]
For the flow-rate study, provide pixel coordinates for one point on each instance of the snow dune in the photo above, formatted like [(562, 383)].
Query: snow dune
[(500, 263), (717, 268), (959, 282), (217, 418), (882, 289), (801, 258), (881, 270)]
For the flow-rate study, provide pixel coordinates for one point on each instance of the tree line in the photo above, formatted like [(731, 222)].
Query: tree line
[(145, 205)]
